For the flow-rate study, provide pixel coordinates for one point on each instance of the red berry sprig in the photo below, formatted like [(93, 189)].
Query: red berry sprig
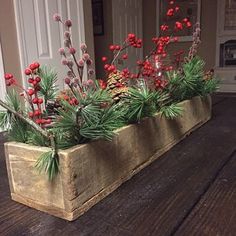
[(10, 80), (160, 84), (130, 41), (31, 94)]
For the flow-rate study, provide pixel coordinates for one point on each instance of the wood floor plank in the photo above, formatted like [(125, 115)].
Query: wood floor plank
[(215, 214), (154, 202)]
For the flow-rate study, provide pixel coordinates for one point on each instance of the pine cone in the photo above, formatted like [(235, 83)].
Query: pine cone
[(116, 86)]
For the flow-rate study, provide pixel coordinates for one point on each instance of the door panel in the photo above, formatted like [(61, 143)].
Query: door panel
[(39, 37), (127, 18)]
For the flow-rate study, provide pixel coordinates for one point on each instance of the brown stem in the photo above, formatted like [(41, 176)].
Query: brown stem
[(74, 58), (72, 90), (29, 100), (78, 110), (118, 53), (27, 120), (46, 134), (71, 69), (78, 68)]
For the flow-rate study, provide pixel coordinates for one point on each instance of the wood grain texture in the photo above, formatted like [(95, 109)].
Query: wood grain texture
[(90, 172), (215, 214), (156, 201)]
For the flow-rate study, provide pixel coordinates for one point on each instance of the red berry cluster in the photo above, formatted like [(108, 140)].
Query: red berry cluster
[(128, 75), (153, 68), (161, 44), (164, 27), (160, 84), (10, 80), (32, 67), (125, 73), (102, 84), (133, 41), (171, 11), (148, 69), (32, 95), (179, 25), (154, 65), (114, 47), (34, 81), (178, 58), (110, 68), (119, 85), (187, 22), (130, 41), (67, 96), (125, 56), (37, 117), (74, 102)]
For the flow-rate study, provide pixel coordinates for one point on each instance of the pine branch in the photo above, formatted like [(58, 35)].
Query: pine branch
[(210, 86), (43, 132), (172, 111), (25, 119), (140, 102), (18, 131), (5, 120), (188, 82), (48, 163), (48, 82)]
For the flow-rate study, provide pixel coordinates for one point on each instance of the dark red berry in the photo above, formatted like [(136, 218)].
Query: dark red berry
[(28, 71)]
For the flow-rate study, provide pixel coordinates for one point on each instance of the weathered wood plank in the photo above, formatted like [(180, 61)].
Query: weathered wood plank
[(90, 172), (215, 214)]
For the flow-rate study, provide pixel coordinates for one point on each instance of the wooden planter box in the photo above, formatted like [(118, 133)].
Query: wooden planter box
[(90, 172)]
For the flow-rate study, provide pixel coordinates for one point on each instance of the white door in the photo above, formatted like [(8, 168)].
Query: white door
[(40, 37), (2, 81), (127, 18)]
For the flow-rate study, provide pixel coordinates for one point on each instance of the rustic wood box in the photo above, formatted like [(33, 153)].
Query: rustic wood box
[(90, 172)]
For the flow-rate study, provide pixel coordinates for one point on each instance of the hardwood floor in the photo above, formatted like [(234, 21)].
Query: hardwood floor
[(191, 190)]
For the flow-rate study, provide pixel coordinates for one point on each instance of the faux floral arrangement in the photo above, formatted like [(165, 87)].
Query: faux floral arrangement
[(91, 109)]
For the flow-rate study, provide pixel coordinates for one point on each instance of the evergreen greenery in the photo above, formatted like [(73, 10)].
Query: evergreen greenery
[(190, 82), (48, 83), (210, 86), (172, 111), (104, 124), (16, 128), (48, 163), (91, 110), (89, 120), (35, 138), (140, 102), (96, 116)]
